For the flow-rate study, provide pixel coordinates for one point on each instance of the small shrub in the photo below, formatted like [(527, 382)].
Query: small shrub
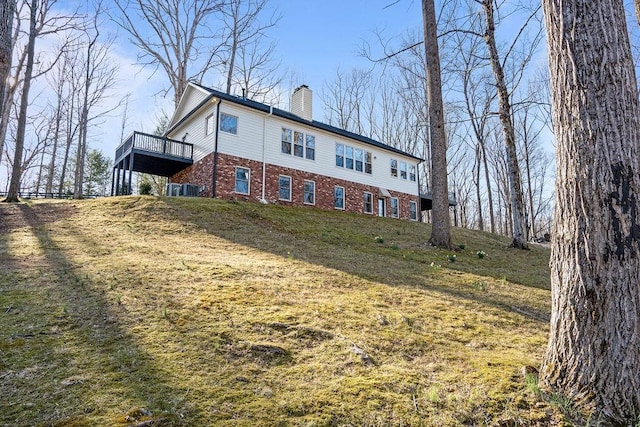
[(379, 239), (462, 246), (395, 247), (480, 285), (452, 258), (481, 254), (146, 188)]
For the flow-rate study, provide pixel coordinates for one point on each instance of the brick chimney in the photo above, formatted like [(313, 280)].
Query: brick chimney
[(301, 102)]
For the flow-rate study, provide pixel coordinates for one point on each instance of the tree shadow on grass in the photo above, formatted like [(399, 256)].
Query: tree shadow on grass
[(250, 224), (66, 357)]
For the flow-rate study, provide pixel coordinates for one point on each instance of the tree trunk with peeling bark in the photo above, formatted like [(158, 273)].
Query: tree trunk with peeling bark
[(593, 354), (441, 225)]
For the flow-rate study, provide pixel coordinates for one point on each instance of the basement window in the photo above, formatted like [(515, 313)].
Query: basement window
[(284, 188), (242, 180), (368, 202), (309, 193), (338, 197), (395, 211), (413, 211)]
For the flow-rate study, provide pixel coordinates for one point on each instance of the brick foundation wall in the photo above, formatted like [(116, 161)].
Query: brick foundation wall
[(201, 173)]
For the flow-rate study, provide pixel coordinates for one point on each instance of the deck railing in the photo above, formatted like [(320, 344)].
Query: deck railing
[(155, 144)]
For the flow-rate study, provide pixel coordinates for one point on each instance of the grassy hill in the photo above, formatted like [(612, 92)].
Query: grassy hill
[(147, 311)]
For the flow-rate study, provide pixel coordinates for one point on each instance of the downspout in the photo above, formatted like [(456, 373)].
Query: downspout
[(215, 152), (264, 164), (419, 209)]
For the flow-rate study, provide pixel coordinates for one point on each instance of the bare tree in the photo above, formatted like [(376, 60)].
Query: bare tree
[(99, 75), (173, 35), (42, 22), (440, 232), (594, 346), (247, 56), (17, 170)]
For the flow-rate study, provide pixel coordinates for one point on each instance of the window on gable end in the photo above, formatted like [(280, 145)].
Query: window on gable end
[(229, 123)]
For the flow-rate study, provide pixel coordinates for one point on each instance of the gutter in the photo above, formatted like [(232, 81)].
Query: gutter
[(264, 144)]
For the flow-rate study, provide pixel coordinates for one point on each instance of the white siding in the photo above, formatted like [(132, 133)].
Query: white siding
[(248, 144), (189, 101)]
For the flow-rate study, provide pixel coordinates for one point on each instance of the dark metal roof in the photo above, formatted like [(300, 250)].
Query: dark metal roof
[(290, 116)]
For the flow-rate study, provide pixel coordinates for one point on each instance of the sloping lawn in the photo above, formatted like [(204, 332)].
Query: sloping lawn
[(140, 311)]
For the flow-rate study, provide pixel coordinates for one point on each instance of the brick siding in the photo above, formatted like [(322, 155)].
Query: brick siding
[(201, 173)]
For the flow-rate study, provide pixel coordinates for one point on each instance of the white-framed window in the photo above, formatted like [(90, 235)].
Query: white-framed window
[(228, 123), (284, 188), (359, 159), (242, 180), (310, 152), (309, 193), (413, 211), (367, 162), (395, 210), (412, 173), (298, 144), (287, 139), (208, 125), (394, 167), (352, 158), (338, 197), (368, 202), (403, 170), (348, 157), (340, 155)]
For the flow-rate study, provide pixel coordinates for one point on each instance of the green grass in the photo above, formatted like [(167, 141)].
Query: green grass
[(205, 312)]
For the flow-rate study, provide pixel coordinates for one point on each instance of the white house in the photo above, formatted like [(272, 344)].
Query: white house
[(219, 145)]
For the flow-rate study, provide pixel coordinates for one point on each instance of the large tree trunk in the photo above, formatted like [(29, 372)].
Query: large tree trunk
[(504, 111), (440, 231), (594, 348), (16, 173)]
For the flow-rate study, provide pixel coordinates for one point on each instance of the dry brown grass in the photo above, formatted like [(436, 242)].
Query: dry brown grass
[(129, 310)]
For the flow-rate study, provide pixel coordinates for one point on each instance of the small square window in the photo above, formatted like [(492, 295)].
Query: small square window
[(284, 188), (228, 123), (309, 196), (338, 197), (242, 180)]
